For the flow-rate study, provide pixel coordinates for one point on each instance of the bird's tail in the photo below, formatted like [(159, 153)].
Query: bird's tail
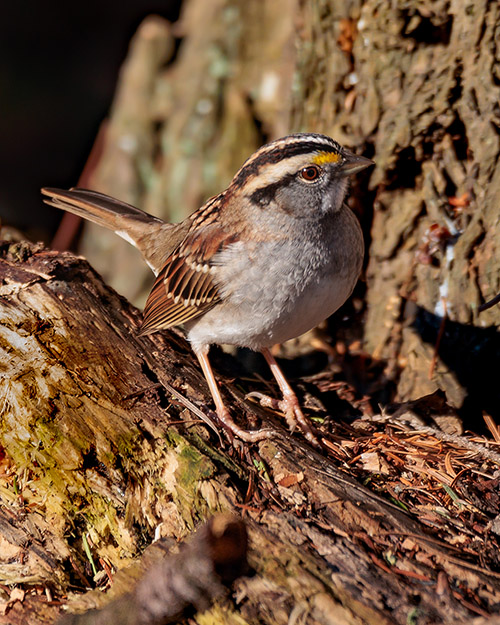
[(143, 231)]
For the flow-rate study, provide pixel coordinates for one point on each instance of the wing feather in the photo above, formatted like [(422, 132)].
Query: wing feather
[(186, 287)]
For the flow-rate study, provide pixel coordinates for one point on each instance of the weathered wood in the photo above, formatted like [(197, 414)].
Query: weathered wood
[(101, 453)]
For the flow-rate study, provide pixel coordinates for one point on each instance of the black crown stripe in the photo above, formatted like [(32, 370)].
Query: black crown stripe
[(275, 154)]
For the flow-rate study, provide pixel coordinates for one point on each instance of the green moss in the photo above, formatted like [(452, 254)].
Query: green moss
[(193, 466), (218, 458), (220, 615)]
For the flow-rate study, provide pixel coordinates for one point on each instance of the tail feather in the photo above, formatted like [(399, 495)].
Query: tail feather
[(97, 207), (152, 236)]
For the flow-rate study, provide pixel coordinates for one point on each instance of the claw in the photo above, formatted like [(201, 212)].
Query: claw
[(290, 407), (249, 436), (265, 400), (276, 404)]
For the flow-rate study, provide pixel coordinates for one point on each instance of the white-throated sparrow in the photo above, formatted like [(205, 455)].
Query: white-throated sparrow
[(265, 260)]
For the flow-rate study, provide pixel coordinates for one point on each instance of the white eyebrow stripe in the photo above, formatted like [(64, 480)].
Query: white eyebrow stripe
[(271, 173)]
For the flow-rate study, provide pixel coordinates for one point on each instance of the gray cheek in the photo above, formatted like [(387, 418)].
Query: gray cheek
[(298, 201)]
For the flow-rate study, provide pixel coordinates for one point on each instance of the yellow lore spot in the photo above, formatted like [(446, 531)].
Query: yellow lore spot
[(326, 157)]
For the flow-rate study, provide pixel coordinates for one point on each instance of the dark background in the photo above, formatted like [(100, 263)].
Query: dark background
[(59, 64)]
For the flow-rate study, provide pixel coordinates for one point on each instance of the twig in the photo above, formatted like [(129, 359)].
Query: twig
[(489, 304)]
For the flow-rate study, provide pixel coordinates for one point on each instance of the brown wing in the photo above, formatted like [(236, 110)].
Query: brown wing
[(185, 287)]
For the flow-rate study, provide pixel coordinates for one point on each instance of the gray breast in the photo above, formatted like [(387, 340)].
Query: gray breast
[(273, 291)]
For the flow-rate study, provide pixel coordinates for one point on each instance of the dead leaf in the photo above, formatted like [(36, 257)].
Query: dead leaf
[(290, 480), (373, 463)]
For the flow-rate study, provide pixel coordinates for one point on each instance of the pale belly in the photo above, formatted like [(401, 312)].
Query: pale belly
[(310, 309), (267, 320)]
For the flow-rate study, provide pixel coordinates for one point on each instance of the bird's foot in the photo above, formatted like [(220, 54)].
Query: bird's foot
[(249, 436), (290, 407)]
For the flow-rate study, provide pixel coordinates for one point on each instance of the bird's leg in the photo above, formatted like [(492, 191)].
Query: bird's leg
[(289, 405), (222, 411)]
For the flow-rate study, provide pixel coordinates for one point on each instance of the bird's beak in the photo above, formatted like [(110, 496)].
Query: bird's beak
[(352, 163)]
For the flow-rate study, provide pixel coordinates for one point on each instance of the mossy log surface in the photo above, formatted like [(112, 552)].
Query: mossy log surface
[(104, 452)]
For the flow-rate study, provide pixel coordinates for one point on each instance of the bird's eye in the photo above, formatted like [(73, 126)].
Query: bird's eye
[(310, 174)]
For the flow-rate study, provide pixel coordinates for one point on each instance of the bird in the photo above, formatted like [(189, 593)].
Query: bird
[(267, 259)]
